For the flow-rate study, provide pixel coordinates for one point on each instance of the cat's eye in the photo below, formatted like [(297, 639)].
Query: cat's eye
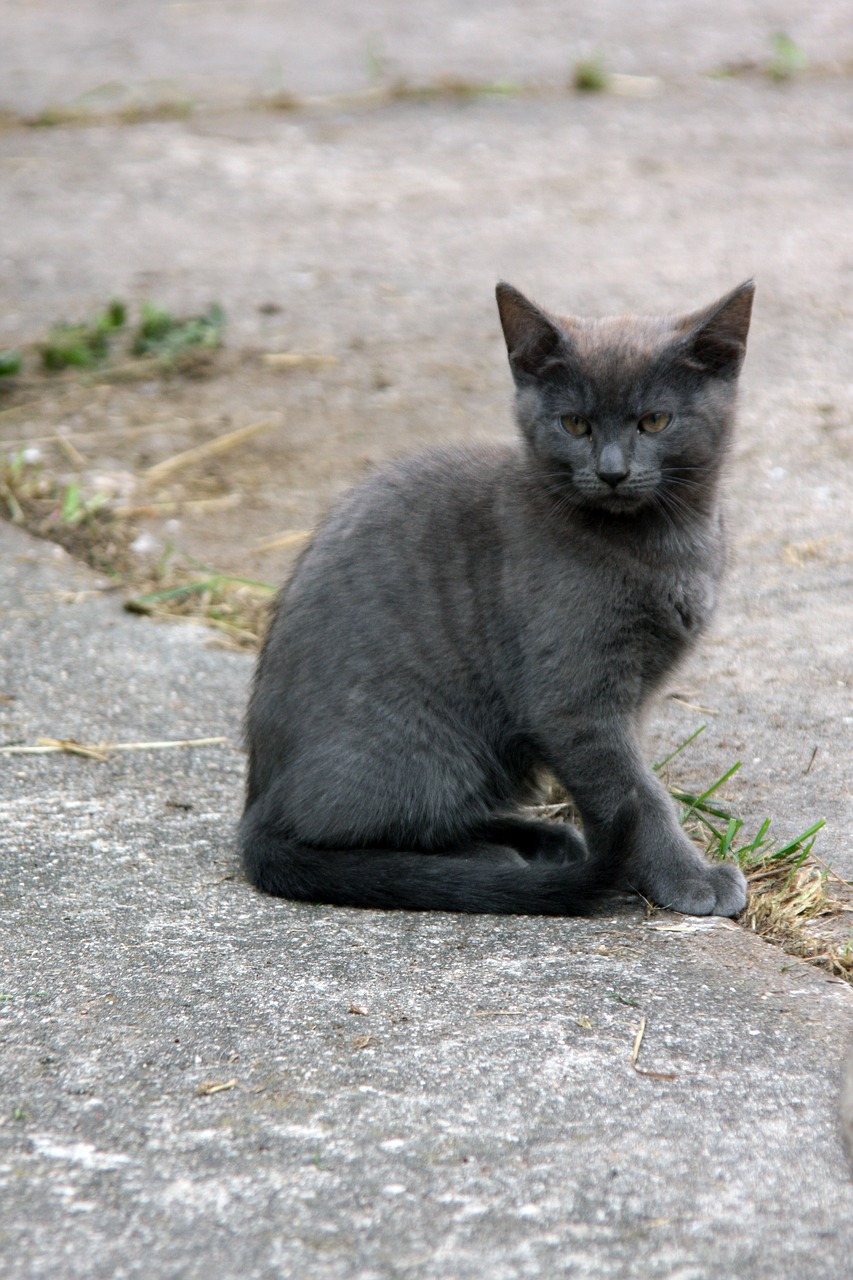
[(653, 422), (575, 424)]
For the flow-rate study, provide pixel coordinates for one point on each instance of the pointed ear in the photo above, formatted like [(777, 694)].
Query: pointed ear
[(715, 339), (532, 338)]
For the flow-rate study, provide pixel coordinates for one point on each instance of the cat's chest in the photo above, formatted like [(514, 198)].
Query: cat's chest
[(641, 611), (647, 609), (667, 588), (647, 622), (611, 630), (678, 603)]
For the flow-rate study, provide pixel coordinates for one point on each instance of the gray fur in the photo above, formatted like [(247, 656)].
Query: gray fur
[(470, 615)]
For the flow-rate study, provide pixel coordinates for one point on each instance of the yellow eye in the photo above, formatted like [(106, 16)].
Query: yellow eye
[(653, 422), (575, 424)]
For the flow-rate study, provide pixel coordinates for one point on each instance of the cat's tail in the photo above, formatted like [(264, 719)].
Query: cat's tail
[(416, 881)]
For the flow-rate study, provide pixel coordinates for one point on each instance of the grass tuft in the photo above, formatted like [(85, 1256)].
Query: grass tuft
[(789, 892), (790, 901), (10, 363), (172, 342), (59, 511), (589, 76), (787, 58), (83, 344), (236, 607), (87, 525), (166, 344)]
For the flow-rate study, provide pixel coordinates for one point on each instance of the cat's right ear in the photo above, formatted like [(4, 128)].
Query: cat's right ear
[(533, 341)]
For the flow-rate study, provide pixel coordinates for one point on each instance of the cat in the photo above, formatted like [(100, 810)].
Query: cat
[(469, 616)]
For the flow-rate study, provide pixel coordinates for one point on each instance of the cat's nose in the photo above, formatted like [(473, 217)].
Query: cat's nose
[(612, 467)]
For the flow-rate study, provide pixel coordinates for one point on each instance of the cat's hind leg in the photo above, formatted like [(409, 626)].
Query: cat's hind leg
[(536, 841), (482, 876)]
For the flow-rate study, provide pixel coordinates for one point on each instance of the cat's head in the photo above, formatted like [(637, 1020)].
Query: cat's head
[(628, 413)]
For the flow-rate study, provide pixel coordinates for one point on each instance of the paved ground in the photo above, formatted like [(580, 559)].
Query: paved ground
[(404, 1095), (216, 51), (482, 1118)]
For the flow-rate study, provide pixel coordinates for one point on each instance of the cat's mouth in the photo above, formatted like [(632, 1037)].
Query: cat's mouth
[(618, 501)]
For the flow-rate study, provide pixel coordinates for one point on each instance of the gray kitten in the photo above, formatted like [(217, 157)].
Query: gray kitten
[(469, 616)]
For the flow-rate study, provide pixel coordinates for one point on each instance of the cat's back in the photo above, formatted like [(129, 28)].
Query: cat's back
[(415, 511), (393, 609), (434, 485), (408, 562)]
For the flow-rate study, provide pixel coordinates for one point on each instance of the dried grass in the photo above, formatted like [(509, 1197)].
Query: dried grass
[(85, 527), (237, 608), (101, 533), (209, 449), (795, 900)]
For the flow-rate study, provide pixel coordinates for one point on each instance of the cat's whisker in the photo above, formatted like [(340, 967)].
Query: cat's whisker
[(679, 506), (660, 506), (683, 482), (671, 509)]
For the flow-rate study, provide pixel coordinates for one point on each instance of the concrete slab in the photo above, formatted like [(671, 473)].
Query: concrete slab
[(205, 51), (197, 1080)]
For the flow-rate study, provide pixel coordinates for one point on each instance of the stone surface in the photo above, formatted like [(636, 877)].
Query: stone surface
[(199, 1081), (206, 51)]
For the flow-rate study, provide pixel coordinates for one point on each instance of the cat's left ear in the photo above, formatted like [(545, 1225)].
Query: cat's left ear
[(715, 338)]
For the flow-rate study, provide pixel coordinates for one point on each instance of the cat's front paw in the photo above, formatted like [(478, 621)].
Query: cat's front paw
[(709, 889)]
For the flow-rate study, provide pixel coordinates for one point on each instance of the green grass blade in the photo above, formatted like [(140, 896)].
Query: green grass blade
[(150, 598), (786, 850), (686, 743), (70, 510)]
